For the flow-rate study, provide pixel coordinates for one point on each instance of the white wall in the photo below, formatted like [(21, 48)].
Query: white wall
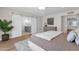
[(58, 18), (17, 23), (26, 21), (57, 21), (6, 13), (30, 21), (39, 24), (36, 23)]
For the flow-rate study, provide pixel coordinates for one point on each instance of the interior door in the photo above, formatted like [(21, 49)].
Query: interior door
[(33, 25), (64, 24), (17, 23)]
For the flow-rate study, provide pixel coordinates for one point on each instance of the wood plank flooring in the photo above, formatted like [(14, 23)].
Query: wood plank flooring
[(9, 45)]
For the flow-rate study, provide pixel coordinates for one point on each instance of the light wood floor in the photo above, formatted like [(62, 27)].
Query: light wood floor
[(9, 45)]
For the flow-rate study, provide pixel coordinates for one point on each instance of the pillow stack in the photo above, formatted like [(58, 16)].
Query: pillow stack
[(73, 36), (77, 38)]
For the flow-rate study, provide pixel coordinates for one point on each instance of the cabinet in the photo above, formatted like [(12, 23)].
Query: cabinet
[(28, 29), (46, 28)]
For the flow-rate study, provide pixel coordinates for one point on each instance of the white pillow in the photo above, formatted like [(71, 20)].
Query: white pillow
[(77, 40), (77, 31), (71, 36)]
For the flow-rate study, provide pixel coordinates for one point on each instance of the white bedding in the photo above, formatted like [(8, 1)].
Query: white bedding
[(34, 46), (48, 35)]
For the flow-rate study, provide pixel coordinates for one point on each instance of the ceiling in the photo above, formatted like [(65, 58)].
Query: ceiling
[(34, 11)]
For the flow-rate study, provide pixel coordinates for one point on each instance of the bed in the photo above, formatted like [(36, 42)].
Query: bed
[(57, 43)]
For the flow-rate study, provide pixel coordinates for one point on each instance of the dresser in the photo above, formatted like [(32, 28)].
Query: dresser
[(47, 28)]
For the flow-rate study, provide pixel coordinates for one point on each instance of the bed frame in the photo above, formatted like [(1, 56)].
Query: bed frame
[(59, 43)]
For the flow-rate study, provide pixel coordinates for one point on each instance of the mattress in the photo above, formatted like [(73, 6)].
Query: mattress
[(48, 35), (58, 43)]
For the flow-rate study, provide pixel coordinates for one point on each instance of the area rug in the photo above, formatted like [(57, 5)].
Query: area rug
[(22, 46)]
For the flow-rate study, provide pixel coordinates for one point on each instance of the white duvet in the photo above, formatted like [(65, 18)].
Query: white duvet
[(48, 35)]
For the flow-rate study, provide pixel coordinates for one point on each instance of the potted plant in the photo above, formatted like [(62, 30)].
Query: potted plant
[(5, 27)]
